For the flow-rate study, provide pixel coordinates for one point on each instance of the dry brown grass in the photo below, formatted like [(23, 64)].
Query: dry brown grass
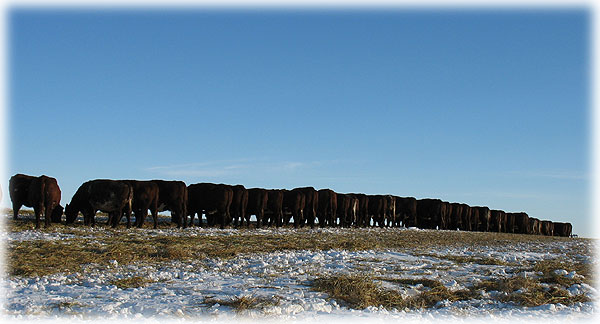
[(131, 282), (240, 304)]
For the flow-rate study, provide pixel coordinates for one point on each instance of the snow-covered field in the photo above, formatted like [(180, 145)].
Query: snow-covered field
[(191, 290)]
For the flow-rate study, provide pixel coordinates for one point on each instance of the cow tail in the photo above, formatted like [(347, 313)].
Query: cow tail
[(130, 200)]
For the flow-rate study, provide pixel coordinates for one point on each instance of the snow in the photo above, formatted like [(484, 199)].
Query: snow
[(180, 290)]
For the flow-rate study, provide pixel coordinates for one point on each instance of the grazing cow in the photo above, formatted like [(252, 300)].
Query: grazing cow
[(42, 193), (521, 222), (466, 218), (293, 206), (496, 221), (327, 207), (362, 213), (534, 226), (214, 200), (377, 209), (110, 196), (343, 209), (563, 229), (547, 228), (311, 204), (510, 222), (145, 196), (455, 216), (480, 218), (257, 204), (390, 211), (274, 207), (18, 189), (431, 213), (173, 196), (406, 211), (239, 203)]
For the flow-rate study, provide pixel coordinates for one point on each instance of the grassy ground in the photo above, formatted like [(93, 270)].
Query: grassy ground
[(101, 246)]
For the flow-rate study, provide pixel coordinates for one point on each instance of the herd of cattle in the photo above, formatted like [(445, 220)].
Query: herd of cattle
[(224, 205)]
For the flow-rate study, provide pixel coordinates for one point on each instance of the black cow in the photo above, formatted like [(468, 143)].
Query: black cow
[(293, 206), (311, 205), (431, 213), (274, 211), (481, 218), (466, 218), (257, 204), (110, 196), (406, 211), (455, 216), (510, 222), (214, 200), (42, 193), (239, 203), (362, 214), (390, 211), (145, 196), (497, 221), (343, 209), (563, 229), (327, 207), (521, 223), (173, 196), (377, 209)]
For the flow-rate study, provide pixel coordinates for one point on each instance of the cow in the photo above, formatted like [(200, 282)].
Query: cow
[(520, 222), (311, 205), (274, 211), (431, 213), (534, 226), (466, 218), (510, 222), (42, 193), (343, 209), (214, 200), (406, 211), (293, 206), (563, 229), (480, 217), (145, 196), (362, 213), (390, 211), (111, 196), (497, 223), (354, 210), (327, 207), (257, 204), (455, 211), (377, 209), (173, 196), (239, 203), (547, 228)]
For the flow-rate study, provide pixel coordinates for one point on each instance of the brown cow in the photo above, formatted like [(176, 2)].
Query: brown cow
[(311, 204), (362, 214), (327, 207), (173, 196), (257, 204), (547, 228), (274, 209), (390, 211), (343, 209), (110, 196), (145, 196), (239, 203), (293, 206), (214, 200), (42, 193)]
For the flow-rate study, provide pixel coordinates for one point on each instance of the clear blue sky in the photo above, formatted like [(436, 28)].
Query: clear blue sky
[(482, 107)]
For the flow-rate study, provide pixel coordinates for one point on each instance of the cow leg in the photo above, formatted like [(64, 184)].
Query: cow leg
[(37, 210), (155, 217), (128, 215), (16, 208), (47, 215)]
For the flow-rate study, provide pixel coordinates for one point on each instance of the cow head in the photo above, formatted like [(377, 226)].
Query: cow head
[(70, 213), (57, 214)]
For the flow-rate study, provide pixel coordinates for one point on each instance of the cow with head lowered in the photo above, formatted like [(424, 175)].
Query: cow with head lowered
[(145, 196), (563, 229), (214, 200), (239, 203), (327, 207), (42, 193), (111, 196), (173, 196), (294, 202)]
